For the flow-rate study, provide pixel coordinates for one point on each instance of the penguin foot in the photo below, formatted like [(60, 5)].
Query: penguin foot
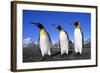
[(42, 58), (62, 55), (50, 57), (70, 52), (46, 57), (78, 53)]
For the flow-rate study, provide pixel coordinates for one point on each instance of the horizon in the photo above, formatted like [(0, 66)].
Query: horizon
[(53, 42)]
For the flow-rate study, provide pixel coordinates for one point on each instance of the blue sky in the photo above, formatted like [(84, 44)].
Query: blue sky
[(47, 18)]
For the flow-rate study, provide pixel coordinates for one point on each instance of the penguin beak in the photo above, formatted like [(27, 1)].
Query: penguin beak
[(39, 25), (73, 24), (34, 23), (57, 26), (54, 25)]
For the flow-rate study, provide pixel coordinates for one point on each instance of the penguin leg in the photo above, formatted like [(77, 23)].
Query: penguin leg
[(76, 50), (43, 56), (67, 51), (62, 52), (42, 53), (80, 51), (49, 52)]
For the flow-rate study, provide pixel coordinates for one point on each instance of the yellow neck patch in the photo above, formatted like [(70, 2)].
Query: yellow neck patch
[(43, 32), (78, 28)]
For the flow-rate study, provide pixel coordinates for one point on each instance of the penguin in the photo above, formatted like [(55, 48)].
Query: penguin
[(44, 41), (78, 38), (63, 40)]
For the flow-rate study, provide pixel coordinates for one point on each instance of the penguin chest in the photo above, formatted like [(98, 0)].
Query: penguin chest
[(44, 42), (63, 40), (78, 38)]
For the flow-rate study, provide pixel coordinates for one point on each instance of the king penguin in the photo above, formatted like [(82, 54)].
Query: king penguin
[(44, 40), (63, 40), (78, 38)]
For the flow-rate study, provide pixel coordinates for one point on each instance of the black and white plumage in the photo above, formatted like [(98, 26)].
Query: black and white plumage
[(63, 40), (78, 38), (44, 40)]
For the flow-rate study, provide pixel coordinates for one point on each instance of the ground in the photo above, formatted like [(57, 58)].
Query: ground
[(34, 55)]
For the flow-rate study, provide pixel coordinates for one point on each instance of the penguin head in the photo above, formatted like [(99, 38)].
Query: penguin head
[(39, 25), (57, 26), (77, 24)]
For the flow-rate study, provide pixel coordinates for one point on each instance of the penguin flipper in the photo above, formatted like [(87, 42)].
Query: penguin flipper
[(49, 38), (39, 40), (39, 43), (67, 35), (59, 44), (82, 38)]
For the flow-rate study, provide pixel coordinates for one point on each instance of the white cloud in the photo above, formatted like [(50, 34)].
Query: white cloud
[(36, 42), (53, 41), (27, 41)]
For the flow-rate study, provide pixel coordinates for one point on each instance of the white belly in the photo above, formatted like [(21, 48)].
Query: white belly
[(63, 42), (78, 40), (45, 44)]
